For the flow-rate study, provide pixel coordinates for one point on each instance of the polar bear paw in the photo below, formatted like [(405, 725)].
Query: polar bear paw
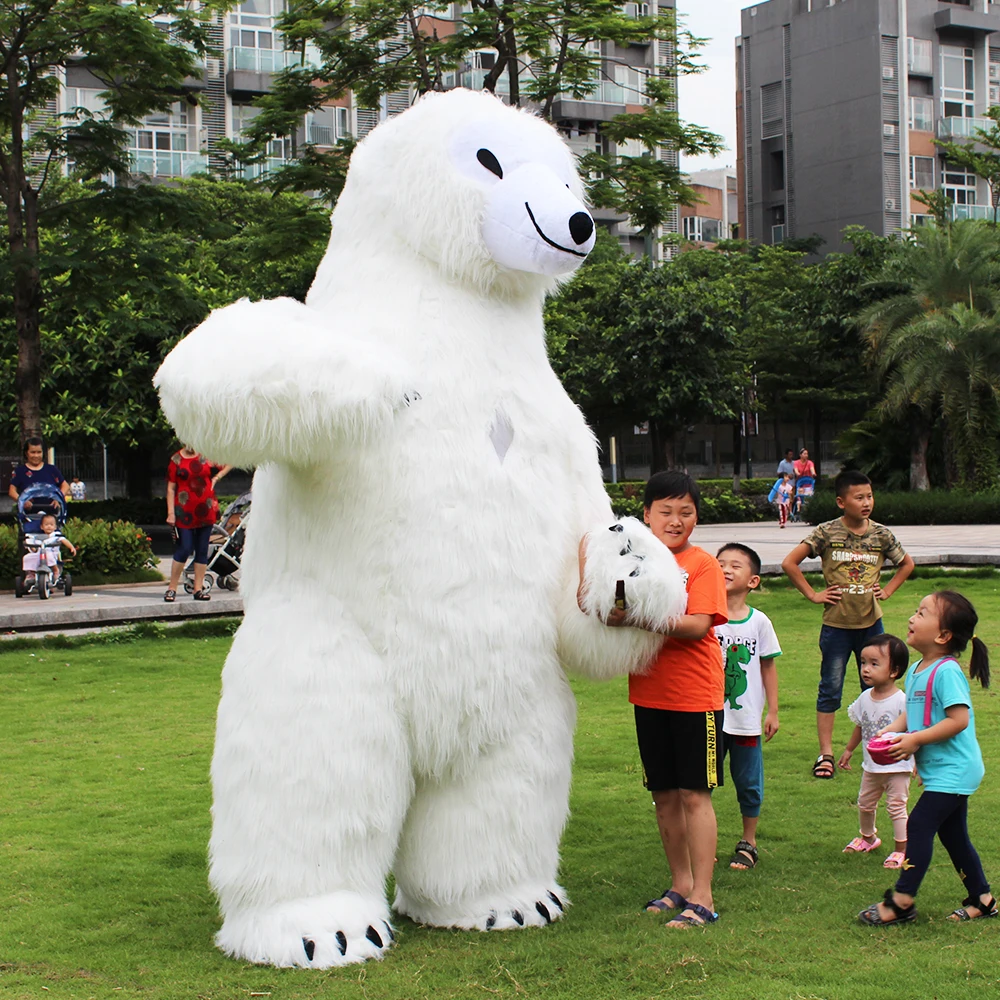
[(626, 554), (321, 932), (527, 906)]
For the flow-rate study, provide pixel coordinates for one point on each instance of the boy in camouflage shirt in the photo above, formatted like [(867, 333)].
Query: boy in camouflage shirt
[(852, 549)]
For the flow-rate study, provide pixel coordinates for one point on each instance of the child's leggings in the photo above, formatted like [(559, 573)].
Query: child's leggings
[(895, 785), (782, 513), (946, 815)]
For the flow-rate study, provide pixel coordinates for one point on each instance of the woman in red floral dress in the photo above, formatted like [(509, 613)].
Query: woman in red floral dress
[(192, 509)]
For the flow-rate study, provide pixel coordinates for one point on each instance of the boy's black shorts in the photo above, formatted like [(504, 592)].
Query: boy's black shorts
[(679, 749)]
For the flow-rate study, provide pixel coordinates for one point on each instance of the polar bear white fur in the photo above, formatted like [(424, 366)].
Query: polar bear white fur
[(395, 698)]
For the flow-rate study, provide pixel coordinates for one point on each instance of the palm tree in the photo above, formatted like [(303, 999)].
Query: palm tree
[(948, 360), (940, 267)]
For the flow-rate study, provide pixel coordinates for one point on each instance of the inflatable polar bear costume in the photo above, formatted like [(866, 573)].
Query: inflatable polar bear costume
[(395, 697)]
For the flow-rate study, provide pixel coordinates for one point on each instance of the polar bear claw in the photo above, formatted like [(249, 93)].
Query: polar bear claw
[(320, 933)]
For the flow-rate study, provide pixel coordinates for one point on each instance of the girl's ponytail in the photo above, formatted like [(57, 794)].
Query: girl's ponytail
[(979, 662), (959, 617)]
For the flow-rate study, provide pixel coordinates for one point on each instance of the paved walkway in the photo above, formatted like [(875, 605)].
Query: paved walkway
[(116, 604), (933, 545), (92, 607)]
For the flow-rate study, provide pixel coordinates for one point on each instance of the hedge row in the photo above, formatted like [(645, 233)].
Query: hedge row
[(136, 511), (718, 504), (929, 507), (103, 548)]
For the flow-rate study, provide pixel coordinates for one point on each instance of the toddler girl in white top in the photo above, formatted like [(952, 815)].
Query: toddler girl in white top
[(883, 661)]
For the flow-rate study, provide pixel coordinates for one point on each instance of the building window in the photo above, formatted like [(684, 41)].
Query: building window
[(922, 114), (325, 126), (959, 184), (778, 170), (632, 80), (922, 173), (958, 82), (919, 56), (702, 230), (772, 115)]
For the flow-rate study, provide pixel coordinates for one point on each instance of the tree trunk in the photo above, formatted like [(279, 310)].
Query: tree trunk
[(920, 436), (816, 454), (778, 450), (737, 453), (657, 449), (22, 241)]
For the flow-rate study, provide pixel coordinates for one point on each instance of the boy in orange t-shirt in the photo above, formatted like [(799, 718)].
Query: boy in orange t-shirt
[(678, 709)]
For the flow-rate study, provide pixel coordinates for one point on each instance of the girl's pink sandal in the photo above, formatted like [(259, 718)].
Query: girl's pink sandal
[(895, 860), (861, 846)]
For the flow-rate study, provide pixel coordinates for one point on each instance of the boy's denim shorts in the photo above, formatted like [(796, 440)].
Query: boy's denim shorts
[(836, 646)]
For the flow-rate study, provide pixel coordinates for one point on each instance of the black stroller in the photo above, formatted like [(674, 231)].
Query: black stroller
[(42, 553), (225, 548)]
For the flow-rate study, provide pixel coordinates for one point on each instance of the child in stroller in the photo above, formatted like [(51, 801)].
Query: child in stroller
[(805, 487), (41, 512), (225, 548)]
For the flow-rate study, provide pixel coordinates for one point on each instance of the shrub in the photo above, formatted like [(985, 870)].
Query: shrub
[(718, 505), (102, 548), (929, 507)]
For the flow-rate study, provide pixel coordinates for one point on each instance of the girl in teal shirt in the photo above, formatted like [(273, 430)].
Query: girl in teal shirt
[(941, 738)]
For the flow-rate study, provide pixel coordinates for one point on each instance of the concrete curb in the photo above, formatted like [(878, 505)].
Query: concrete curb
[(47, 617), (953, 559)]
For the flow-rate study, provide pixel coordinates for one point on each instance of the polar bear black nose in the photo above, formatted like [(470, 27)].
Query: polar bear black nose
[(581, 226)]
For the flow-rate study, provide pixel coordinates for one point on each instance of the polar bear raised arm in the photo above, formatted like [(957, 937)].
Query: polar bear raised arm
[(271, 381)]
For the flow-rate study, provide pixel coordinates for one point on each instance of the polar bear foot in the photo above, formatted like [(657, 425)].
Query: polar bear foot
[(525, 906), (320, 932)]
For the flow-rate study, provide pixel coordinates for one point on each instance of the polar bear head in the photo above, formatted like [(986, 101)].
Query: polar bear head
[(488, 193)]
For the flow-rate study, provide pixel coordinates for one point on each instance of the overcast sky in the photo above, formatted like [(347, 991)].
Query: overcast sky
[(708, 98)]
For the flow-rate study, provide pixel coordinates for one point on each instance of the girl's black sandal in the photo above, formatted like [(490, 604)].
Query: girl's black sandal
[(901, 914), (986, 910)]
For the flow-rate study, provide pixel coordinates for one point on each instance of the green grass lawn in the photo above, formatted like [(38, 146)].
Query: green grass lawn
[(104, 819)]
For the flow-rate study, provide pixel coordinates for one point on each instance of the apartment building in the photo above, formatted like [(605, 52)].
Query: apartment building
[(838, 102), (716, 215), (184, 141)]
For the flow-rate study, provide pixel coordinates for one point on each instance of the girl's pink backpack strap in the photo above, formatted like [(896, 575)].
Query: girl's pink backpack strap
[(929, 693)]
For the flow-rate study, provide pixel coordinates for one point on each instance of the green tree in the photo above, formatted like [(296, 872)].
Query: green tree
[(543, 49), (948, 360), (941, 267), (126, 275), (657, 345), (141, 68)]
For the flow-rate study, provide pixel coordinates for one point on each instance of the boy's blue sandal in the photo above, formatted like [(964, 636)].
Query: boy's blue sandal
[(677, 902), (700, 915), (901, 914), (986, 910)]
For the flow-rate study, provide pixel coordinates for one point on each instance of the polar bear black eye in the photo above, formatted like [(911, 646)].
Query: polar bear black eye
[(488, 160)]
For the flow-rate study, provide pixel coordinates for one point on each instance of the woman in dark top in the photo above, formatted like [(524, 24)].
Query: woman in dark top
[(34, 469)]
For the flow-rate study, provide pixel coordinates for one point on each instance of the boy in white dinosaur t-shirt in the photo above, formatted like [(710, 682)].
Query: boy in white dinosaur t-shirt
[(883, 661), (749, 647)]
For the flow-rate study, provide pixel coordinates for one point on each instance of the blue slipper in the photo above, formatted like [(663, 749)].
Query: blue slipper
[(700, 915), (662, 906)]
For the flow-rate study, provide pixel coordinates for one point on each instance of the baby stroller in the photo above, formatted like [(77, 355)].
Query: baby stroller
[(42, 553), (225, 548), (805, 487)]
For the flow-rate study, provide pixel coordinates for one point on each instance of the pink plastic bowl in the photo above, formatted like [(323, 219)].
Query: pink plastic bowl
[(878, 750)]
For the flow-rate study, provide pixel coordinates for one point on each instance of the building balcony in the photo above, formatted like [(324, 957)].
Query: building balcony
[(270, 165), (981, 212), (960, 18), (961, 128), (474, 79), (167, 163)]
